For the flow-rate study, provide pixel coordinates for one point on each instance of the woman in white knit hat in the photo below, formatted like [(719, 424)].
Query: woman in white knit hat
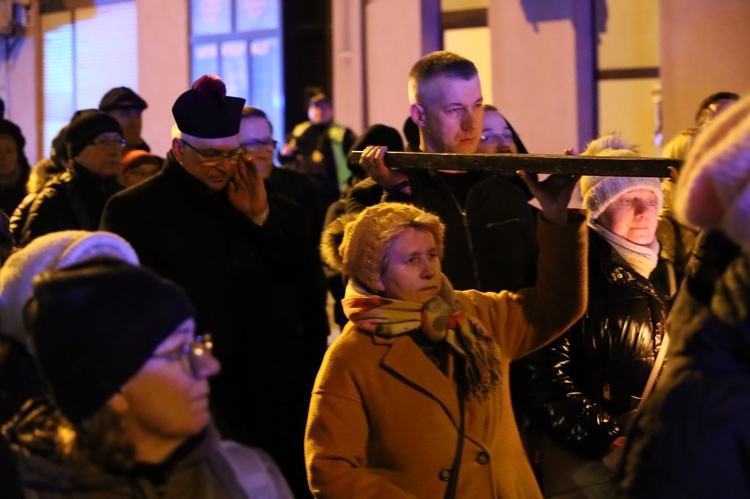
[(413, 399), (692, 438), (575, 389)]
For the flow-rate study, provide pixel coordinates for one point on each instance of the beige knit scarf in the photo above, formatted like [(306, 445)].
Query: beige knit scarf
[(440, 319), (642, 257)]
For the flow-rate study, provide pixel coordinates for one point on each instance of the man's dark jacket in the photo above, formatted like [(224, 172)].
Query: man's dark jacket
[(490, 242), (73, 201)]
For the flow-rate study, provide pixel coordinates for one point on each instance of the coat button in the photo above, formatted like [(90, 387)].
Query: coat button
[(483, 458), (445, 474)]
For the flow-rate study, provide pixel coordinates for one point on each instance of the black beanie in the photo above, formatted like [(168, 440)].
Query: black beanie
[(86, 126), (206, 112), (380, 135), (95, 324)]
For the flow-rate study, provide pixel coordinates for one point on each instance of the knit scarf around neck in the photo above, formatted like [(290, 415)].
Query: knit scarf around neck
[(642, 257), (440, 319)]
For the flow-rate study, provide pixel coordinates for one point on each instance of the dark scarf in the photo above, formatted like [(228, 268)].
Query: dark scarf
[(440, 319)]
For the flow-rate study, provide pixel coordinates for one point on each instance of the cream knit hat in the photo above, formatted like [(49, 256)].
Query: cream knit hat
[(53, 251), (713, 190), (599, 192), (356, 245)]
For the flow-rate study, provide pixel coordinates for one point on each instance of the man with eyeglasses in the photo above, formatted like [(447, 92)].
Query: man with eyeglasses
[(76, 198), (206, 222), (256, 138), (129, 377)]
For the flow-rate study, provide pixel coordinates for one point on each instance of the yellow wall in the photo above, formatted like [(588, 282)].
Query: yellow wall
[(164, 65), (630, 41), (474, 44), (704, 50)]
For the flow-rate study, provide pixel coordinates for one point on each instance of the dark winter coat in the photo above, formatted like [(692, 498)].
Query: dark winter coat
[(73, 201), (203, 467), (259, 290), (691, 439), (490, 241), (574, 388), (12, 195)]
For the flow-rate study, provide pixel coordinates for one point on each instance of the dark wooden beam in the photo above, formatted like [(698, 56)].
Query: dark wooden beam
[(469, 18), (533, 163), (627, 73)]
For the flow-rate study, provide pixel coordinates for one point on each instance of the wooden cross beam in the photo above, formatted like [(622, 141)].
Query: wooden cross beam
[(533, 163)]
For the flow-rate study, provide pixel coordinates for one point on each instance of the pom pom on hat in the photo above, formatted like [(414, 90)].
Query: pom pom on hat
[(205, 111), (713, 190), (51, 251), (95, 324)]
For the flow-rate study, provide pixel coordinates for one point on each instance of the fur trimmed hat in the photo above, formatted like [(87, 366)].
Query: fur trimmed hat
[(52, 251), (599, 192), (713, 190), (95, 324), (356, 245)]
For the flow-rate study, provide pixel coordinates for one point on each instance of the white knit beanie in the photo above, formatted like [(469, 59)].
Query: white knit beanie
[(599, 192), (713, 190), (52, 251)]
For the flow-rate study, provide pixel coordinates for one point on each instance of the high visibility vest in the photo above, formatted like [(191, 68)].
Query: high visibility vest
[(336, 134)]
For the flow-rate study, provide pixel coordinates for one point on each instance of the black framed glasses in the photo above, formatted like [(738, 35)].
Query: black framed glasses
[(212, 160), (256, 143), (109, 142), (194, 352)]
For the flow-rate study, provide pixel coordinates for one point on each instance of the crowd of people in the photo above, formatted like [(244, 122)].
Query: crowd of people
[(164, 327)]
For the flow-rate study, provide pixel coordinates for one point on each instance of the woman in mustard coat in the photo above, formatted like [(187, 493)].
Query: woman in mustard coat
[(412, 400)]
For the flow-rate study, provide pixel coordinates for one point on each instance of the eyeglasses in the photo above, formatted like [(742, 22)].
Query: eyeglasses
[(492, 138), (110, 142), (212, 160), (195, 351), (260, 143)]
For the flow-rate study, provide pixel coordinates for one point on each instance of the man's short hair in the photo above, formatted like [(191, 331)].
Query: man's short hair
[(441, 63), (254, 112)]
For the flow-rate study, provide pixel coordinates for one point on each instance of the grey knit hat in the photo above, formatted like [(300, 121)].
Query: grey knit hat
[(599, 192)]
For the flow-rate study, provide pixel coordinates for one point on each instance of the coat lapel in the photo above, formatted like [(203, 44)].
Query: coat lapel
[(406, 360)]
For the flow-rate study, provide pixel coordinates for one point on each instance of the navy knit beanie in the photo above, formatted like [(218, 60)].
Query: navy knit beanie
[(95, 324)]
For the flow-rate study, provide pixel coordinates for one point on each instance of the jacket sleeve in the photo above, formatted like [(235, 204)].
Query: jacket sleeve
[(524, 321), (337, 434), (46, 215), (558, 406)]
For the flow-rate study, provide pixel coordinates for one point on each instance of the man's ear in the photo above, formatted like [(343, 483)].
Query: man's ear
[(380, 286), (118, 404), (417, 114), (177, 150)]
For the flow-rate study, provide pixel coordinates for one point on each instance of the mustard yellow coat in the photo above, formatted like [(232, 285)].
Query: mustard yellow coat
[(383, 419)]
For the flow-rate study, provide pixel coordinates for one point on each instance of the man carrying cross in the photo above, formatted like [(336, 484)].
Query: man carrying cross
[(489, 240)]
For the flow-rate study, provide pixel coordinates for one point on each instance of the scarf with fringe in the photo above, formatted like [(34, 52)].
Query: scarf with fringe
[(440, 319)]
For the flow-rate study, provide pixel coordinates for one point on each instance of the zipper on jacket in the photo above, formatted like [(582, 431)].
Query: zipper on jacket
[(465, 223)]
